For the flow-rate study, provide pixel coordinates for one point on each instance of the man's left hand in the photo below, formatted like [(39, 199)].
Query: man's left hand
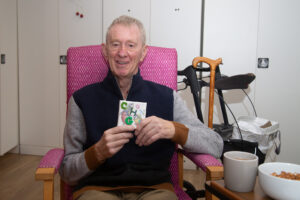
[(152, 129)]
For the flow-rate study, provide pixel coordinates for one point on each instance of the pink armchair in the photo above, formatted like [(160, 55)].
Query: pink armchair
[(86, 65)]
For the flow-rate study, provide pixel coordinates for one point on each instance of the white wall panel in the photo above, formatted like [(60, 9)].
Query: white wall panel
[(277, 94), (76, 31), (177, 24), (9, 128), (230, 32), (135, 8), (39, 74)]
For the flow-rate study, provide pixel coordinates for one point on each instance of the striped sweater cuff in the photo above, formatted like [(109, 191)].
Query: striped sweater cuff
[(181, 133), (91, 158)]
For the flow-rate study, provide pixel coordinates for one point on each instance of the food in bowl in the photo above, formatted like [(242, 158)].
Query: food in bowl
[(277, 187), (287, 175)]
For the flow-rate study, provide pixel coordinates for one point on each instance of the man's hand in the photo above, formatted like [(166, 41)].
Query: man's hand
[(152, 129), (112, 141)]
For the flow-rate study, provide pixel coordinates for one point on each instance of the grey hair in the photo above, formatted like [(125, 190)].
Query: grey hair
[(127, 21)]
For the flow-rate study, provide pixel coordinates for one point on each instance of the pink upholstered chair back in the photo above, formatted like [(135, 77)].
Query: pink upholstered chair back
[(86, 65)]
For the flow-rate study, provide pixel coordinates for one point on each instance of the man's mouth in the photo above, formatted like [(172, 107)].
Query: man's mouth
[(122, 62)]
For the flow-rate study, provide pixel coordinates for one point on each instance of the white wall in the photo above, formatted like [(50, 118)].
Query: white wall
[(238, 31), (75, 31), (9, 128), (46, 29), (242, 31), (230, 32), (277, 92), (39, 71)]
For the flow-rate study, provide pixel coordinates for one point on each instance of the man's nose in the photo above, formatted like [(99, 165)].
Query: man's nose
[(122, 51)]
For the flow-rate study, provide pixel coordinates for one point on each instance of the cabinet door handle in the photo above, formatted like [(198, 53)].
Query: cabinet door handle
[(2, 58)]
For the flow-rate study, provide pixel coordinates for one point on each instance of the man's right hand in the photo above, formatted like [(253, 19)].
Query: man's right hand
[(112, 141)]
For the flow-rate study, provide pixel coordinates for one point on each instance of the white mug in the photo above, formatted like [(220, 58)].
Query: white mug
[(240, 170)]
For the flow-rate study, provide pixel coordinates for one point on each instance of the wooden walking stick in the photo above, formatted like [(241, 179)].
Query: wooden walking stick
[(213, 65)]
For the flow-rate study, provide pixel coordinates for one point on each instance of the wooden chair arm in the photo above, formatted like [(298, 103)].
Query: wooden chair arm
[(43, 174), (214, 173), (47, 176)]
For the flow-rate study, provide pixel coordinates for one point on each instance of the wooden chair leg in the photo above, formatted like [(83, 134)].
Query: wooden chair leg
[(180, 169), (210, 196), (48, 190), (213, 173), (62, 190)]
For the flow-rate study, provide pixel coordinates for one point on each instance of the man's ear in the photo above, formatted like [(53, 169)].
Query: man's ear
[(104, 51), (144, 53)]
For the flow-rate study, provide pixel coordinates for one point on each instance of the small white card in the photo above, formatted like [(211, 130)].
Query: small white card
[(131, 112)]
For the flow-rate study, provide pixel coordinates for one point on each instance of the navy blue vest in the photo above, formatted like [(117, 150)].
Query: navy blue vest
[(132, 165)]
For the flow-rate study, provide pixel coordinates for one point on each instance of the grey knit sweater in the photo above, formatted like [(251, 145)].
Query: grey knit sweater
[(201, 139)]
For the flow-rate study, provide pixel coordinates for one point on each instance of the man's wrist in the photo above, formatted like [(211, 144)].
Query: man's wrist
[(181, 133), (92, 158)]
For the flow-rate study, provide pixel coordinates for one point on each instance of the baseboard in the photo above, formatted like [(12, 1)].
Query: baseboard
[(34, 150), (15, 150)]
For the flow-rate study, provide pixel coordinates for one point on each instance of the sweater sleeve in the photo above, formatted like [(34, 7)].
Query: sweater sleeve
[(74, 165), (200, 139)]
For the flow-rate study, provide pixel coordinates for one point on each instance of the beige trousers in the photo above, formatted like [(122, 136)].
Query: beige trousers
[(117, 195)]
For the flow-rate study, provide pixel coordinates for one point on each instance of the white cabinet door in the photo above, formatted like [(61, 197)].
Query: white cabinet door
[(39, 75), (76, 30), (177, 24), (9, 128), (230, 32), (139, 9), (278, 87)]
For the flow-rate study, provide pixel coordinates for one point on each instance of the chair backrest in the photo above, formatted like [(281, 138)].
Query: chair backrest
[(86, 65)]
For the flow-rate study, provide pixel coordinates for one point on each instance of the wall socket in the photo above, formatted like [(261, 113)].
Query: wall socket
[(63, 59), (2, 58), (263, 63)]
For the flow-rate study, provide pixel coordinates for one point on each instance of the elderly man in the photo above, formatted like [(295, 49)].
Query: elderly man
[(106, 161)]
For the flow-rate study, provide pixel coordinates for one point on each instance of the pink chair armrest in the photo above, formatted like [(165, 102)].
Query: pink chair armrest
[(202, 160), (52, 159)]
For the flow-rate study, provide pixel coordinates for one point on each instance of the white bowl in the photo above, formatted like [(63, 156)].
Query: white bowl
[(279, 188)]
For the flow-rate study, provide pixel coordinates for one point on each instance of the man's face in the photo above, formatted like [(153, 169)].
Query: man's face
[(124, 50)]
